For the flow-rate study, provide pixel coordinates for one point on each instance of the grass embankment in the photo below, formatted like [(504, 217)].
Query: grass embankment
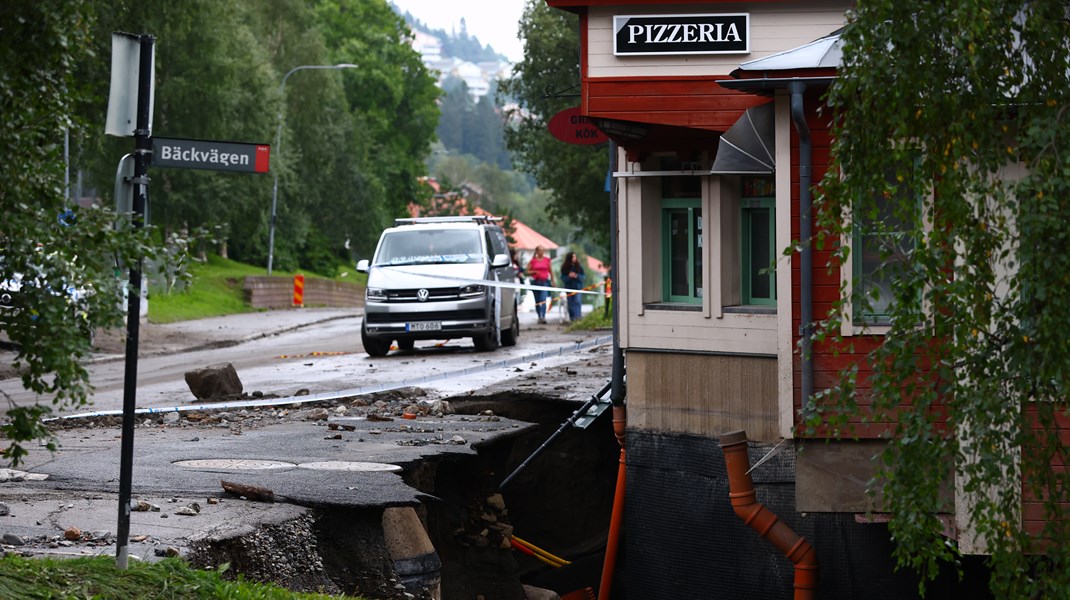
[(97, 577), (217, 290), (600, 317)]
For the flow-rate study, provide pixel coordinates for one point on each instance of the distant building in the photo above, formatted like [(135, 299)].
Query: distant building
[(477, 77)]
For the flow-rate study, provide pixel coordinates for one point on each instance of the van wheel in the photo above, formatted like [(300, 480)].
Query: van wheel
[(487, 342), (406, 345), (375, 348), (509, 336)]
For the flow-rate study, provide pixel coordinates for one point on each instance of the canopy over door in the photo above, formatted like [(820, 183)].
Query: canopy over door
[(748, 147)]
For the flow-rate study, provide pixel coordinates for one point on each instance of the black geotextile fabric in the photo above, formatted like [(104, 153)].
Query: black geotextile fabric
[(685, 541)]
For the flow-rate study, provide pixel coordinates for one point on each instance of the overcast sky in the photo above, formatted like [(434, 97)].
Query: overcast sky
[(494, 22)]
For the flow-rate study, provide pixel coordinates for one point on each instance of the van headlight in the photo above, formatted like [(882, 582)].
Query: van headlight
[(375, 295), (473, 291)]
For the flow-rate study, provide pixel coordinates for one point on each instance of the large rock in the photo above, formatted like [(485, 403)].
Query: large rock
[(217, 381)]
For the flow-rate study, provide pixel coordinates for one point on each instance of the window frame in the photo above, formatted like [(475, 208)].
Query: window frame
[(851, 274), (695, 246), (746, 205)]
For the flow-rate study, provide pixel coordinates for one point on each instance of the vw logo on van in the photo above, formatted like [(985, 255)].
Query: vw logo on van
[(422, 295)]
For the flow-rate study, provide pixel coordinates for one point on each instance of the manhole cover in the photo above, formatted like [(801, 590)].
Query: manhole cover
[(246, 464), (341, 465)]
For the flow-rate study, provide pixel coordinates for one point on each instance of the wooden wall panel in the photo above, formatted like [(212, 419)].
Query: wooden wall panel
[(703, 394)]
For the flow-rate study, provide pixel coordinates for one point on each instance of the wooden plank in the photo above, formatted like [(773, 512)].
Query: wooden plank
[(720, 393)]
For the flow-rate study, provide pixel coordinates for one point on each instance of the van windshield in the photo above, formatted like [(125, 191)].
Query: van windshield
[(417, 247)]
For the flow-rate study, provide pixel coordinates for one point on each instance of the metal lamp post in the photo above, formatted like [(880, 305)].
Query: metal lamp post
[(278, 152)]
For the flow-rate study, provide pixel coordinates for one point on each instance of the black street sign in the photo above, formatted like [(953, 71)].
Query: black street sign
[(210, 155), (639, 35)]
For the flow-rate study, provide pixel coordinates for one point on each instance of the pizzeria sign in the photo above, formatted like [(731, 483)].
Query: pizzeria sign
[(644, 35)]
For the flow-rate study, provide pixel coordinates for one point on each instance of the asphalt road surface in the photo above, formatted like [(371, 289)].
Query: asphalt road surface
[(305, 351)]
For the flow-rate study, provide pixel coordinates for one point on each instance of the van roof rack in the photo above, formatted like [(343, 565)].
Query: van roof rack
[(480, 219)]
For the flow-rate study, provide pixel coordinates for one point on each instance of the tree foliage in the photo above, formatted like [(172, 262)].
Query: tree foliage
[(353, 146), (65, 256), (541, 83), (969, 104)]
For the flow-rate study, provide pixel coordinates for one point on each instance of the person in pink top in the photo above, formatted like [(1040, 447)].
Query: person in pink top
[(542, 275)]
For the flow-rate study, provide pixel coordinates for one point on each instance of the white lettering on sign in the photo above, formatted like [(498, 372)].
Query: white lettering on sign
[(213, 156), (683, 32), (636, 35)]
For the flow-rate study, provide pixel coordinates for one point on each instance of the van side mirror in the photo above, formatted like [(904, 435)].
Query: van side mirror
[(362, 265), (500, 260)]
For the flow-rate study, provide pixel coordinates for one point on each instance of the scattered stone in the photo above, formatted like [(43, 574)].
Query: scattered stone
[(257, 394), (216, 381), (535, 593), (302, 392), (5, 510), (139, 538), (72, 534), (341, 410), (154, 507), (172, 551), (212, 500), (458, 440), (336, 436), (171, 417), (142, 506), (375, 417), (13, 540), (186, 511), (496, 502), (12, 475), (100, 534), (316, 414), (441, 407)]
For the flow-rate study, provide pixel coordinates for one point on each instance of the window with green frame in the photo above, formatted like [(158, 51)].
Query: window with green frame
[(681, 250), (758, 241), (881, 242)]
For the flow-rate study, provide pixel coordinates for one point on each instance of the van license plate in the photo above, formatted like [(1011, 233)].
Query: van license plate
[(424, 326)]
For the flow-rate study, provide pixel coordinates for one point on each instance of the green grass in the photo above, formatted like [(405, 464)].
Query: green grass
[(216, 290), (97, 578), (598, 318)]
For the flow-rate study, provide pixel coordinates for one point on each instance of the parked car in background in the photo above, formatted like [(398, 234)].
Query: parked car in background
[(21, 292), (434, 278)]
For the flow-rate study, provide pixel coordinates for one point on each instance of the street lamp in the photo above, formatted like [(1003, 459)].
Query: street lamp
[(278, 151)]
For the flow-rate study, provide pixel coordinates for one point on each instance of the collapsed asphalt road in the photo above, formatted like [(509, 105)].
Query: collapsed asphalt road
[(349, 458)]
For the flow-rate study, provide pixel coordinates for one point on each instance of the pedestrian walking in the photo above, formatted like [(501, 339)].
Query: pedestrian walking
[(572, 275), (541, 274)]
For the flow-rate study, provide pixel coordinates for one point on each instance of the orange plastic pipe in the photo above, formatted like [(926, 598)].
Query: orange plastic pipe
[(617, 518), (764, 521)]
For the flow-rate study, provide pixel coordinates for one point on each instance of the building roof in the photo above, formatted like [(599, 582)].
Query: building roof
[(596, 266), (823, 53)]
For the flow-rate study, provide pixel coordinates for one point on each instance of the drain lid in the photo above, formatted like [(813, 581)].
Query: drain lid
[(341, 465), (245, 464)]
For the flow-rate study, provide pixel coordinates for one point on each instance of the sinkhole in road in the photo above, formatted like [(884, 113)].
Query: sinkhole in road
[(561, 502)]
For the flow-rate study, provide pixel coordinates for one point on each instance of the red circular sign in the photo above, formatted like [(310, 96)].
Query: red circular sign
[(572, 127)]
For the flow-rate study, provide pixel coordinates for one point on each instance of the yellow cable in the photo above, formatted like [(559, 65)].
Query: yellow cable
[(539, 551)]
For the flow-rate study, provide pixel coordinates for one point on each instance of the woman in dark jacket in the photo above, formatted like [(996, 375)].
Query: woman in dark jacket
[(572, 275)]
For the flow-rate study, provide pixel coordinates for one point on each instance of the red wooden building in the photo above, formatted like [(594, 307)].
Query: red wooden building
[(716, 108)]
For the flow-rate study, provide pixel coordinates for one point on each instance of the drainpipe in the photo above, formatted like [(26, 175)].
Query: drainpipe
[(806, 309), (764, 521), (616, 395)]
